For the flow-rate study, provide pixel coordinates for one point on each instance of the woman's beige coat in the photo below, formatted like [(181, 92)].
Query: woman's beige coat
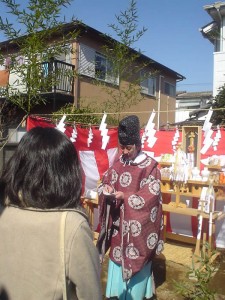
[(30, 256)]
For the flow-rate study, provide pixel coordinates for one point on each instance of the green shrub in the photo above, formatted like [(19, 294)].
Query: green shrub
[(198, 277)]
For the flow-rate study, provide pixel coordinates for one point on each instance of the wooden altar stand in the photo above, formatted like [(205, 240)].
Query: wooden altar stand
[(91, 204), (204, 236)]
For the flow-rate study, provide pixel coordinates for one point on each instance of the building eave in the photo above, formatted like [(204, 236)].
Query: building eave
[(208, 31), (215, 10), (203, 110), (191, 95)]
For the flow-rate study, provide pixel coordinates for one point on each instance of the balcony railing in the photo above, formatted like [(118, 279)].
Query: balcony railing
[(60, 75)]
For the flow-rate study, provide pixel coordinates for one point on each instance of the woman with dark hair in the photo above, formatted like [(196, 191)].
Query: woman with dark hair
[(40, 184)]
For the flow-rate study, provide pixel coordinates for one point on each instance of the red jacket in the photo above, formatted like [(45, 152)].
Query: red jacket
[(132, 228)]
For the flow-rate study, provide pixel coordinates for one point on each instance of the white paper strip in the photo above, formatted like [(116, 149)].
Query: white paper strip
[(207, 119), (104, 132), (61, 125), (152, 141), (103, 125), (90, 137), (74, 135), (208, 134), (105, 140), (206, 146), (150, 121)]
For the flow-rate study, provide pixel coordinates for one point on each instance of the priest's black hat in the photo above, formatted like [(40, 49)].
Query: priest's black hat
[(129, 131)]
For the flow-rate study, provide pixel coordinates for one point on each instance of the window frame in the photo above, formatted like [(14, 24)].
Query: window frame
[(87, 65), (169, 89), (148, 84), (100, 66)]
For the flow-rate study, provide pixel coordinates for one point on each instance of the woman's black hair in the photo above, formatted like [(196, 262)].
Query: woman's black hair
[(44, 172)]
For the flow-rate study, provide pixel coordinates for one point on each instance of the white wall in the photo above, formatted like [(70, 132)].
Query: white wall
[(15, 83), (219, 71), (181, 115)]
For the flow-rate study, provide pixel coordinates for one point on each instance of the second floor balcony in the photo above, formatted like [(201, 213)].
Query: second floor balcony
[(56, 81), (61, 76)]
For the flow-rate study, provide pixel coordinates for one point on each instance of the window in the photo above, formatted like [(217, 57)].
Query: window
[(148, 85), (170, 89), (95, 65), (100, 66), (12, 62), (66, 55)]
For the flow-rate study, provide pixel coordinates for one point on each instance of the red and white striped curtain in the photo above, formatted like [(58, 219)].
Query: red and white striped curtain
[(95, 161)]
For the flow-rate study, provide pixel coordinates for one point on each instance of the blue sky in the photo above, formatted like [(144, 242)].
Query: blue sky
[(172, 39)]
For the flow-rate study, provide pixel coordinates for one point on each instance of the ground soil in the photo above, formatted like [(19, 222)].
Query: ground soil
[(173, 265), (166, 272)]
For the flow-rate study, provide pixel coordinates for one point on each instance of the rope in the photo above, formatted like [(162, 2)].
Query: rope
[(127, 112)]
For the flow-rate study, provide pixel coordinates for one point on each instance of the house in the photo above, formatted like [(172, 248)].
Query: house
[(215, 33), (87, 58), (192, 106)]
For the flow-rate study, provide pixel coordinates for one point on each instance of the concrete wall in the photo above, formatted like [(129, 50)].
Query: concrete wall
[(219, 71)]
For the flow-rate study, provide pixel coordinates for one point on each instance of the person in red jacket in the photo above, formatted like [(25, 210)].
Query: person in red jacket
[(131, 221)]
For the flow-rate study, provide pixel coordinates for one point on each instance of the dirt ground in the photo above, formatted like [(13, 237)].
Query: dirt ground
[(173, 264)]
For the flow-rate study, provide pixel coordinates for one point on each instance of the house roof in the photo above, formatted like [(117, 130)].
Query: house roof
[(203, 110), (87, 30), (194, 116), (188, 122), (91, 31), (216, 10), (191, 95), (209, 30), (193, 98)]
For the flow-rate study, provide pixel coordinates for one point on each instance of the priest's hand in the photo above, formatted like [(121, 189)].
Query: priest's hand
[(108, 189), (119, 195)]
